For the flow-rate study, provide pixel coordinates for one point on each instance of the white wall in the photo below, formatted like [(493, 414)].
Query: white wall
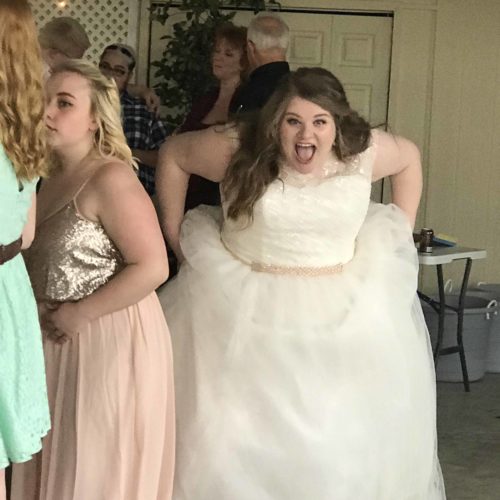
[(464, 150)]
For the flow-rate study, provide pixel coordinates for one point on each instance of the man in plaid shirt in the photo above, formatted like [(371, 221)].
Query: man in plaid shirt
[(144, 132)]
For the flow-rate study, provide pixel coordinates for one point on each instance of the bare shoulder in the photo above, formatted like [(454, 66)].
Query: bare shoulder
[(386, 141), (112, 182), (111, 178), (393, 153), (113, 173), (204, 152)]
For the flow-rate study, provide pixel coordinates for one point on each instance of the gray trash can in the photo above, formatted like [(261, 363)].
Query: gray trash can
[(479, 314), (493, 362)]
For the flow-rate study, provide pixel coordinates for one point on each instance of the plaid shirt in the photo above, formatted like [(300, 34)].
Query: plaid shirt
[(143, 131)]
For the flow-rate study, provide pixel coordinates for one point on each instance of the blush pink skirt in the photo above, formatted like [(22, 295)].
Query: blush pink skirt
[(111, 398)]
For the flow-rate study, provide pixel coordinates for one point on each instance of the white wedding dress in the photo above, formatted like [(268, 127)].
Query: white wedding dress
[(296, 378)]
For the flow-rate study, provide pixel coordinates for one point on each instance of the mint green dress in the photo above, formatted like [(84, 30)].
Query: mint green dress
[(24, 414)]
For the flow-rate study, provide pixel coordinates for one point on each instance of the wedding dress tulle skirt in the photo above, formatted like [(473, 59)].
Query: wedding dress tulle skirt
[(294, 387)]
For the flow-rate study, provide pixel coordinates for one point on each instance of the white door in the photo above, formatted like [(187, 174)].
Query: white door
[(356, 48), (361, 59)]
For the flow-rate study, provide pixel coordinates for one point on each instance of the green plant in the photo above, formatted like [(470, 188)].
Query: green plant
[(184, 68)]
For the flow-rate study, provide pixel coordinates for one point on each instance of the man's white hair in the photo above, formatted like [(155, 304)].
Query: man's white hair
[(268, 31)]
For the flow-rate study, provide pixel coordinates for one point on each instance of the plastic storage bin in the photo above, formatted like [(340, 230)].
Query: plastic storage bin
[(493, 361), (479, 314)]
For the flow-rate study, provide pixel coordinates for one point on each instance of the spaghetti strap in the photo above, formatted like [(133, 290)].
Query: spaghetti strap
[(82, 185), (85, 182), (72, 200)]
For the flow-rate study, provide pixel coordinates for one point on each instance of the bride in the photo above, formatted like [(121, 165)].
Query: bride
[(302, 358)]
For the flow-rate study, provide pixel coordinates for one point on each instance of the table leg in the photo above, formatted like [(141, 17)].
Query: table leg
[(460, 323), (441, 314)]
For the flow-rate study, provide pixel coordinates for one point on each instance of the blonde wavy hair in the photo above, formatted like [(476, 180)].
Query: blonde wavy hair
[(22, 127), (105, 108)]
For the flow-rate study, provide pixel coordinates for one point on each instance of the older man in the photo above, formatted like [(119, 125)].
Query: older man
[(143, 130), (267, 42), (60, 39)]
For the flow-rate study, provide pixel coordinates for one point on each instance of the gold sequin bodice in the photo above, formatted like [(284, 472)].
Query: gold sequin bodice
[(71, 257)]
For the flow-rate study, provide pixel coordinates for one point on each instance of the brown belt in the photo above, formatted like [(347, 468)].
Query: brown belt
[(9, 251)]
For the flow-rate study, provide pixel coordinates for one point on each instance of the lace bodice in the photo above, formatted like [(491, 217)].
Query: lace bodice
[(305, 221)]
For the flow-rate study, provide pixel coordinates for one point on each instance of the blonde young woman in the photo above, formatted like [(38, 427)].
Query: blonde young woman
[(24, 415), (98, 257)]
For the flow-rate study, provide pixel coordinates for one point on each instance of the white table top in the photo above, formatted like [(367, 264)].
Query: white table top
[(445, 255)]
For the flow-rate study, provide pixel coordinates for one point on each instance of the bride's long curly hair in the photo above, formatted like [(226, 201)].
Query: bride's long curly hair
[(257, 162), (22, 127)]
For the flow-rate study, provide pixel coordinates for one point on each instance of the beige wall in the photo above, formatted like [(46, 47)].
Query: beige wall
[(464, 149)]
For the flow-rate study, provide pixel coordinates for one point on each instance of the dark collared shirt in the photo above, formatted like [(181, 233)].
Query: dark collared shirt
[(262, 82), (143, 131)]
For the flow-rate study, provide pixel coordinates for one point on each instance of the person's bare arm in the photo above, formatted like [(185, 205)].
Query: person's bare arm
[(399, 158), (29, 227), (117, 199), (206, 153)]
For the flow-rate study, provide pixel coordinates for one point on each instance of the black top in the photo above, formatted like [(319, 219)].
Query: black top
[(258, 89), (200, 191), (199, 109)]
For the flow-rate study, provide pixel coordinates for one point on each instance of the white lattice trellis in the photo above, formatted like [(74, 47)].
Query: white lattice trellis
[(105, 21)]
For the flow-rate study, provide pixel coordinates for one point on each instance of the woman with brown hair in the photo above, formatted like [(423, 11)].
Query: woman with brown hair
[(229, 65), (24, 416), (302, 359)]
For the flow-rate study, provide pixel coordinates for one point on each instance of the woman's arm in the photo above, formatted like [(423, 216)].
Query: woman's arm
[(115, 197), (29, 227), (399, 158), (206, 153)]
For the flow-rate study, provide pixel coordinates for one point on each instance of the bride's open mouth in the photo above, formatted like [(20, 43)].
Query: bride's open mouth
[(304, 152)]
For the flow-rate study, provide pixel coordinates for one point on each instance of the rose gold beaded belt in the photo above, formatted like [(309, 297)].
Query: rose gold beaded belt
[(290, 270), (296, 270), (8, 252)]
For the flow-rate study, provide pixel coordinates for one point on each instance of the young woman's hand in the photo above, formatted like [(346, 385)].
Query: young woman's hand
[(63, 322)]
